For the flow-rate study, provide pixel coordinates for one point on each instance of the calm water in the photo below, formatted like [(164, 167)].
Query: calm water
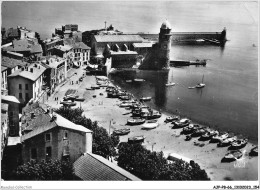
[(230, 99)]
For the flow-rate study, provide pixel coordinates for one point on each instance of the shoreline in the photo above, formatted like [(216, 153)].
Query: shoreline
[(163, 138)]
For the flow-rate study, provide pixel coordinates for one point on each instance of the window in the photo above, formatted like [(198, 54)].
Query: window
[(48, 152), (47, 137), (65, 135), (33, 153), (27, 97), (20, 95), (20, 86), (26, 87)]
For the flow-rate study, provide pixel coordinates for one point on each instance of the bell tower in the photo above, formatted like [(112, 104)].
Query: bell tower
[(165, 43)]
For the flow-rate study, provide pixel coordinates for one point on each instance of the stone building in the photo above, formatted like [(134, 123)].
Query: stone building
[(159, 56), (47, 135)]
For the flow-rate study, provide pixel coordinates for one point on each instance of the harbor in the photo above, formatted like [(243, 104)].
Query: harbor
[(110, 115)]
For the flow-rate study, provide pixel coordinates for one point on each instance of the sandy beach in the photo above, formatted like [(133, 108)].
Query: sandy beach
[(163, 138)]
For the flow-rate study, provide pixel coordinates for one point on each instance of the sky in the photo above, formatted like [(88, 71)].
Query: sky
[(128, 16)]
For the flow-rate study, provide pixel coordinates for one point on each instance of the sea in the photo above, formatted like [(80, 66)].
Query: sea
[(229, 102)]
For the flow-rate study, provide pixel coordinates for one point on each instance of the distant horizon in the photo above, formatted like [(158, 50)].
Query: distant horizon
[(129, 17)]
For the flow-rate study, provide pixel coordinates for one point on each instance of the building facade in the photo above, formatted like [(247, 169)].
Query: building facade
[(49, 44), (47, 135)]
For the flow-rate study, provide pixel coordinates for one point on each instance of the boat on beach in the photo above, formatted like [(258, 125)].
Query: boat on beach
[(152, 124), (124, 97), (226, 142), (254, 151), (135, 121), (232, 156), (172, 118), (68, 103), (189, 129), (151, 115), (208, 135), (136, 139), (219, 138), (181, 123), (198, 132), (120, 132), (238, 144)]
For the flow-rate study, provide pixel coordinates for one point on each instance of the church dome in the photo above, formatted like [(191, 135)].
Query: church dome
[(166, 25)]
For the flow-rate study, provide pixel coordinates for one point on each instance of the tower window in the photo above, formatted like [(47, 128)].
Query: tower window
[(47, 137), (33, 153)]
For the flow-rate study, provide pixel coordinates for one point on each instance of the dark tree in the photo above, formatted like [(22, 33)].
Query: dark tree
[(149, 165), (103, 144), (45, 170)]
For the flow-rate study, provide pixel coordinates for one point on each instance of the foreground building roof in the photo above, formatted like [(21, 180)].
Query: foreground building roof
[(80, 45), (9, 98), (43, 121), (118, 38), (92, 167)]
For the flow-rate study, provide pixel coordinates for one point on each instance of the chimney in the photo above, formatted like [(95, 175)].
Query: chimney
[(31, 70), (35, 65)]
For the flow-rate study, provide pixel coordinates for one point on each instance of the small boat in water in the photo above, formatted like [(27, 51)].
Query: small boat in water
[(134, 121), (121, 131), (201, 85), (145, 98), (136, 139), (170, 84), (226, 142), (181, 123), (150, 125), (139, 80), (240, 143), (172, 118), (254, 151), (232, 156), (128, 81)]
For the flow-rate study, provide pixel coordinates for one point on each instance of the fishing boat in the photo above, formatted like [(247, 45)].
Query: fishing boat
[(254, 151), (189, 129), (68, 103), (181, 123), (123, 105), (136, 139), (135, 121), (151, 115), (219, 138), (201, 85), (139, 80), (170, 84), (238, 144), (144, 99), (226, 142), (232, 156), (172, 118), (198, 132), (152, 124), (121, 131), (208, 135), (124, 97)]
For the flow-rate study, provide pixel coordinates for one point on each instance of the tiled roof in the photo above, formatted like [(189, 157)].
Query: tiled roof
[(3, 68), (11, 63), (9, 98), (91, 167), (43, 121), (24, 45), (118, 38), (54, 61), (37, 72), (142, 45), (36, 49), (64, 48), (80, 45)]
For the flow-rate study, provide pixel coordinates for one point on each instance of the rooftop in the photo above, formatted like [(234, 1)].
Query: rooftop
[(64, 48), (24, 45), (118, 38), (123, 52), (43, 121), (80, 45), (11, 63), (9, 98), (37, 71), (142, 45), (3, 68), (92, 167)]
